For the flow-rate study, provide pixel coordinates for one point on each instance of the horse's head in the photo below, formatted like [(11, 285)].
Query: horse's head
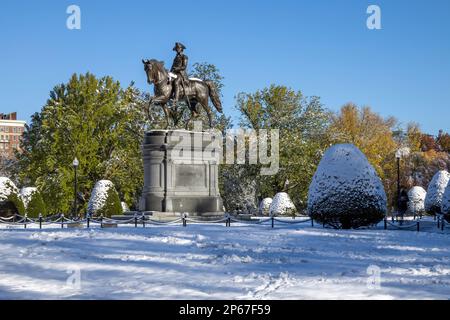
[(154, 70)]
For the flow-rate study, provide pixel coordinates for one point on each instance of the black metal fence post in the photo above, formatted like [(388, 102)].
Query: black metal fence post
[(312, 222), (273, 222), (418, 226), (385, 223), (135, 220), (88, 220), (143, 220), (40, 220), (26, 218), (62, 221)]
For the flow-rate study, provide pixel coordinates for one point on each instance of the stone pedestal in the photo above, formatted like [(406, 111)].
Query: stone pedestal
[(180, 173)]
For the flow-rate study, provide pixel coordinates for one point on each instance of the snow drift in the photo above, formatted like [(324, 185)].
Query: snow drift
[(346, 192)]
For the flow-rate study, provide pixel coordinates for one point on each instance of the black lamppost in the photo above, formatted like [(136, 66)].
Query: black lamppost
[(75, 165), (401, 153)]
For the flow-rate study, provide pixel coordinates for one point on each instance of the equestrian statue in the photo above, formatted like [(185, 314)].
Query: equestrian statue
[(176, 86)]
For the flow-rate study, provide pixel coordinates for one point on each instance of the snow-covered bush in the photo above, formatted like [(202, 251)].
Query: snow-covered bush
[(416, 203), (104, 200), (435, 192), (282, 205), (10, 201), (33, 202), (125, 207), (264, 206), (346, 192), (445, 206)]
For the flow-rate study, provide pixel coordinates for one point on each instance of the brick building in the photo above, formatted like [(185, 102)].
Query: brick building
[(11, 132)]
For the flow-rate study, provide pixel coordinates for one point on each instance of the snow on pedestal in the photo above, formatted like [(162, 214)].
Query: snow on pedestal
[(282, 204), (104, 199), (346, 192), (264, 206), (416, 203), (435, 192)]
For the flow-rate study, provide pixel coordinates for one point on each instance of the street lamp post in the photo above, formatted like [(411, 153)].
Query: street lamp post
[(75, 165), (400, 153)]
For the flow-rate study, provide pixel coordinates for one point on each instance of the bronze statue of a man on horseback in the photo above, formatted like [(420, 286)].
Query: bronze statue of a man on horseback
[(176, 86)]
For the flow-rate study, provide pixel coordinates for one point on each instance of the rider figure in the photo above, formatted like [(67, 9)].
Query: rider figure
[(179, 67)]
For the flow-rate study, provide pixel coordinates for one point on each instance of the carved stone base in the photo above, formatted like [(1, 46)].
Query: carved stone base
[(180, 173)]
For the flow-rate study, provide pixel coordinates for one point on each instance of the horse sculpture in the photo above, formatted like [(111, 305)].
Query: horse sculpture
[(195, 92)]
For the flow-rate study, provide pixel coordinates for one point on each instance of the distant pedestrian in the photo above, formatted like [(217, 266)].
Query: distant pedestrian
[(402, 203)]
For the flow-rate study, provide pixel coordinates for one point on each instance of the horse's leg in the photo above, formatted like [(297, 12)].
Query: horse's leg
[(162, 100), (204, 102), (167, 114)]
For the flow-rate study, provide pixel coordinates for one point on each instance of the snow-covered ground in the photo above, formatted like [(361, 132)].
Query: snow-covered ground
[(214, 262)]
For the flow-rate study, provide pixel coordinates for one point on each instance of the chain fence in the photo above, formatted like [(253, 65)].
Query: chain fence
[(141, 220)]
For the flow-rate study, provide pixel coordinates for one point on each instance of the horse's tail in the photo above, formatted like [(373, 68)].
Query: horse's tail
[(214, 95)]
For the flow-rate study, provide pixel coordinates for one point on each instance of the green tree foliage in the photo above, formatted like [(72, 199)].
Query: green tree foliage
[(94, 120), (302, 124), (207, 71)]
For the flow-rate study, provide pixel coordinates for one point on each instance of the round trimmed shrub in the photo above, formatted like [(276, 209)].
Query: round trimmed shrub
[(435, 192), (282, 205), (33, 202), (264, 206), (345, 191), (10, 201), (445, 206), (416, 203), (104, 200)]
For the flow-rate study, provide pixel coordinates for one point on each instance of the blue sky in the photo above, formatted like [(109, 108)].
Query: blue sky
[(320, 47)]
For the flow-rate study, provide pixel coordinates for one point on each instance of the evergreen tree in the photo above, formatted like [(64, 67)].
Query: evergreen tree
[(94, 120)]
